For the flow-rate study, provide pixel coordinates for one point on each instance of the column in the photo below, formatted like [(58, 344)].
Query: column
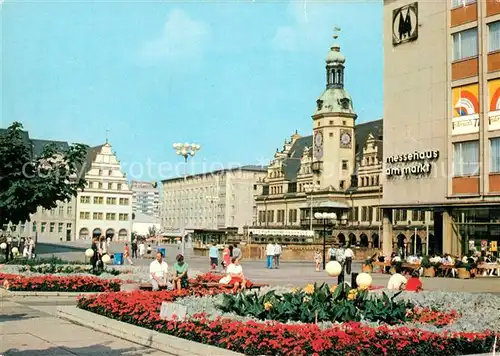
[(447, 233), (387, 232)]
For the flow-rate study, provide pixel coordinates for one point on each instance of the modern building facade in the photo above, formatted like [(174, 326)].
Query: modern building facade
[(104, 208), (336, 169), (145, 198), (441, 119), (216, 200)]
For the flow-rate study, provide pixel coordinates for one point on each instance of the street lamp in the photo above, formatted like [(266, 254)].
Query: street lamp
[(311, 188), (185, 150), (325, 217)]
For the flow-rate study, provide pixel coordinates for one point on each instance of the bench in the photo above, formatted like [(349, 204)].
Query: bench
[(149, 286)]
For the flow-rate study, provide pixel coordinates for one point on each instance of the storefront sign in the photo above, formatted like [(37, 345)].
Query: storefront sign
[(494, 120), (493, 246), (410, 164), (278, 232)]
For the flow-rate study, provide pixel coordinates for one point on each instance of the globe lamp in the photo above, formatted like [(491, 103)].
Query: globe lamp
[(364, 280), (3, 245), (89, 252), (333, 268), (106, 259)]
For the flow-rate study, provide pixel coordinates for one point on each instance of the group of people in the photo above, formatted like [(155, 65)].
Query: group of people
[(228, 252), (342, 255), (158, 270), (28, 247), (273, 254), (231, 256)]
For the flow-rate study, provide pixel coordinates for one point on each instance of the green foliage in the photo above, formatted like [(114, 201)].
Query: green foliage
[(426, 263), (28, 182), (23, 261), (67, 269), (318, 303)]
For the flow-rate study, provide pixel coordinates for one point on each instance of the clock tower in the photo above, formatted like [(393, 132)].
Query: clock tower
[(333, 127)]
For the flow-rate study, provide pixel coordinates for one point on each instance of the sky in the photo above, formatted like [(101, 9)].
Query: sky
[(236, 77)]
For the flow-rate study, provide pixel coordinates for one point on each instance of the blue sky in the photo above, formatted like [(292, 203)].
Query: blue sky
[(235, 77)]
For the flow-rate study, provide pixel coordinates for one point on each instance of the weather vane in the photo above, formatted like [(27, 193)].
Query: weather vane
[(336, 31), (107, 131)]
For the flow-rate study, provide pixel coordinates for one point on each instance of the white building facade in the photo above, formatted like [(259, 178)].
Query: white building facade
[(145, 198), (104, 208), (216, 200)]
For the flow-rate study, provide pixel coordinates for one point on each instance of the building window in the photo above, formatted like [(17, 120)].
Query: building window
[(465, 44), (495, 155), (123, 217), (68, 226), (60, 227), (255, 187), (111, 201), (44, 226), (97, 216), (110, 216), (84, 215), (98, 200), (270, 216), (466, 158), (356, 213), (461, 3), (292, 215), (69, 210), (85, 199), (377, 214), (21, 228), (123, 201), (99, 185), (61, 210), (34, 226), (52, 227), (292, 187), (119, 186), (344, 164), (110, 173), (494, 36)]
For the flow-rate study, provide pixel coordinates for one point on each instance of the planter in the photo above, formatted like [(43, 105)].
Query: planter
[(367, 268), (429, 272), (463, 273)]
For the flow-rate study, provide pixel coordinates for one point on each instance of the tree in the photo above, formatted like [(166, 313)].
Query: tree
[(152, 231), (28, 182)]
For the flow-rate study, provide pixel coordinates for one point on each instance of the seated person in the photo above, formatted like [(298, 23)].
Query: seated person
[(180, 279), (235, 271), (158, 269), (414, 283), (397, 280)]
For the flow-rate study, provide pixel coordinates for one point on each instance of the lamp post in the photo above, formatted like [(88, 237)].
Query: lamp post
[(311, 188), (325, 217), (185, 150)]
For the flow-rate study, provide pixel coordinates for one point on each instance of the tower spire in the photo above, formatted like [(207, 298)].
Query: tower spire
[(107, 131), (335, 64)]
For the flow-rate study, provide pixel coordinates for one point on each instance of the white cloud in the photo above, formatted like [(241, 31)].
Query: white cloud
[(182, 37)]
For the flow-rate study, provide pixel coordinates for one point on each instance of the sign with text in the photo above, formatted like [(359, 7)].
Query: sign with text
[(410, 164), (278, 232), (169, 310)]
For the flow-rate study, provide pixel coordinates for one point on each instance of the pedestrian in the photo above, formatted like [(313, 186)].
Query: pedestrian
[(213, 254), (348, 254), (95, 257), (226, 257), (237, 251), (180, 279), (108, 241), (277, 254), (142, 249), (126, 254), (134, 248), (333, 253), (317, 260), (269, 255)]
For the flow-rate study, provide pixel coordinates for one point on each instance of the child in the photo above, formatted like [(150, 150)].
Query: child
[(317, 260), (414, 284)]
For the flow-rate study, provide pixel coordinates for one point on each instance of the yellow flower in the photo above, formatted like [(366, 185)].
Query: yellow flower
[(309, 289), (352, 294), (268, 306), (306, 299), (294, 290), (332, 288), (363, 287)]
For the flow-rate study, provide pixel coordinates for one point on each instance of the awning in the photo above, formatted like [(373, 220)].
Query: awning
[(327, 204)]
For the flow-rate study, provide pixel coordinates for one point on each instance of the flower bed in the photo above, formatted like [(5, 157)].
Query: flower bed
[(206, 278), (272, 338), (67, 269), (50, 283)]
